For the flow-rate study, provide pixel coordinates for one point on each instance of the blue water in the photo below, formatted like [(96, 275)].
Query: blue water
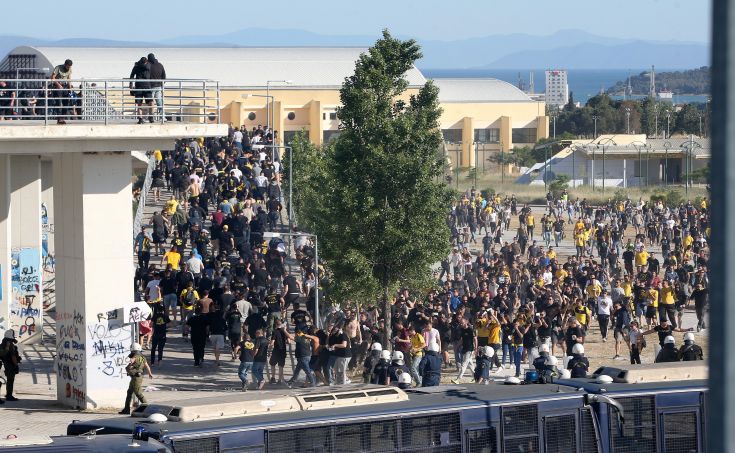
[(583, 83)]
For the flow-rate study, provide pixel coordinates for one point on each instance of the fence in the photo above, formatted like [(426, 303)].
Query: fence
[(138, 220), (110, 100)]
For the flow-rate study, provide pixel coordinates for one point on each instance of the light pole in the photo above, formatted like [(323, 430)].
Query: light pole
[(668, 117), (317, 318), (502, 166), (290, 182), (269, 112), (594, 119), (637, 145), (574, 168), (476, 154), (554, 118), (689, 146), (607, 142), (627, 119), (667, 145), (655, 114)]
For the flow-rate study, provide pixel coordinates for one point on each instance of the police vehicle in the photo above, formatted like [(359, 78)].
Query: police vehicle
[(595, 415), (87, 442)]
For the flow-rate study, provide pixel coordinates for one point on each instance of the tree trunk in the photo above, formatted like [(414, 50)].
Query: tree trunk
[(388, 331)]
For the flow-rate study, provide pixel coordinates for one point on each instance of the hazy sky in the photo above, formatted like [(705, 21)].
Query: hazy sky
[(684, 20)]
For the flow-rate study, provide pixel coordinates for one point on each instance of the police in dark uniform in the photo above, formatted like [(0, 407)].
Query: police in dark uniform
[(578, 365), (430, 367), (690, 351), (135, 370), (669, 352), (11, 360)]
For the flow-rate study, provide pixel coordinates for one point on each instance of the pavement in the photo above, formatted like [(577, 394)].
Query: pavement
[(37, 411)]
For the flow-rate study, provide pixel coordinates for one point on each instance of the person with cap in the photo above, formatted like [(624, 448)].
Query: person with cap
[(371, 362), (11, 360), (140, 89), (549, 371), (669, 352), (135, 369), (578, 365), (157, 74), (690, 351), (430, 367), (539, 363)]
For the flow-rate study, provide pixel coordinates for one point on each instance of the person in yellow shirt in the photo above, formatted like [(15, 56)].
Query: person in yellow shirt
[(641, 258), (530, 224), (551, 253), (494, 330), (157, 154), (417, 352), (652, 309), (561, 274), (666, 303), (579, 242), (172, 257), (582, 314), (483, 333)]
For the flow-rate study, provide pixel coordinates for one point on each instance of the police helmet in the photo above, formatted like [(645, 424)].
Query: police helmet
[(376, 347), (578, 349), (669, 340)]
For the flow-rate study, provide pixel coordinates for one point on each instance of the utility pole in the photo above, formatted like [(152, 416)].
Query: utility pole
[(627, 119), (594, 119)]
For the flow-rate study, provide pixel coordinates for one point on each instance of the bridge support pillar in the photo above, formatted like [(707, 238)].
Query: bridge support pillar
[(94, 276)]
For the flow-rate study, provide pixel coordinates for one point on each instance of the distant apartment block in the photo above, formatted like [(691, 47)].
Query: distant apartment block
[(557, 88)]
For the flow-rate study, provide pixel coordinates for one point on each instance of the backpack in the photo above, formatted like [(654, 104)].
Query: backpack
[(189, 299)]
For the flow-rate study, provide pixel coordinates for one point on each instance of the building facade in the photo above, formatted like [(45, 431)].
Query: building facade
[(557, 87)]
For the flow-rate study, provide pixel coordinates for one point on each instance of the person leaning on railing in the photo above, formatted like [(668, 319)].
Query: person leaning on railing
[(61, 89), (157, 73)]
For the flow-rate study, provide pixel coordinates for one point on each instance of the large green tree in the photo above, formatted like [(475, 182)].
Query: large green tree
[(374, 196)]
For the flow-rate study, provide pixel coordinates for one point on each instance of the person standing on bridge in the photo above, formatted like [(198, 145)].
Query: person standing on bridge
[(157, 74), (135, 369)]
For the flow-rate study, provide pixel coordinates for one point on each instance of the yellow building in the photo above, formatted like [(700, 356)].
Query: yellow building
[(298, 89)]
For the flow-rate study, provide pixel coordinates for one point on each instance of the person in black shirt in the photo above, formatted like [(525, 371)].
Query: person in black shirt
[(198, 330), (279, 341), (304, 346), (159, 321), (700, 296), (664, 330), (234, 327), (299, 317), (217, 331), (339, 348), (260, 357), (246, 351)]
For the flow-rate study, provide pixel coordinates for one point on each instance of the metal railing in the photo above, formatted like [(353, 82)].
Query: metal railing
[(110, 100), (138, 220)]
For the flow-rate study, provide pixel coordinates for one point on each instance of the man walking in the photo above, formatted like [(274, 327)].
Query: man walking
[(11, 360), (135, 370), (303, 356), (157, 76)]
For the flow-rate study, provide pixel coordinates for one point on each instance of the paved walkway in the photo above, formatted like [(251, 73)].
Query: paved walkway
[(37, 411)]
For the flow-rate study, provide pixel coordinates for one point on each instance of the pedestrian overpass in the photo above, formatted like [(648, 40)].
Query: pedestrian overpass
[(87, 165)]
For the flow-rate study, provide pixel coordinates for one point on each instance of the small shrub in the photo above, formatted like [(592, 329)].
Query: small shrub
[(487, 193), (558, 185)]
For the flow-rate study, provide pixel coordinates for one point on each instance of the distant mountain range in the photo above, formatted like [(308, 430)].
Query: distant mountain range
[(570, 49)]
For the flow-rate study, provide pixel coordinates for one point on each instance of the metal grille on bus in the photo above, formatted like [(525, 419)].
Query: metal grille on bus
[(437, 433), (680, 432), (520, 428), (481, 440), (589, 436), (202, 445), (560, 433), (639, 429)]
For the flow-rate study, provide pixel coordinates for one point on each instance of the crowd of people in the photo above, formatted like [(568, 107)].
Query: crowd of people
[(505, 297)]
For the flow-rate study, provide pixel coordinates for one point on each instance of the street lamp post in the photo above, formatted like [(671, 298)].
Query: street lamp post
[(637, 145), (627, 119), (594, 119), (290, 182), (476, 155), (689, 147), (270, 108), (668, 117), (554, 118), (607, 142), (667, 145)]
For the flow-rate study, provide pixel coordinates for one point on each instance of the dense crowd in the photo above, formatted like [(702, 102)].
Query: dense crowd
[(505, 296)]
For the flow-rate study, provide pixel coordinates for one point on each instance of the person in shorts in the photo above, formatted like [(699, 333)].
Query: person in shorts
[(279, 341), (141, 90), (217, 331)]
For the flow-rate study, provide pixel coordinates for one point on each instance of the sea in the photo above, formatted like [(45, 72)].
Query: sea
[(583, 83)]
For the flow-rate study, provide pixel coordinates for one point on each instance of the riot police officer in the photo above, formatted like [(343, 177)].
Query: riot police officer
[(690, 351)]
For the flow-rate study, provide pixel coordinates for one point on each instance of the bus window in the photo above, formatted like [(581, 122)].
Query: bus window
[(560, 433), (639, 429), (377, 435), (520, 429), (481, 440), (441, 431), (680, 432), (304, 440)]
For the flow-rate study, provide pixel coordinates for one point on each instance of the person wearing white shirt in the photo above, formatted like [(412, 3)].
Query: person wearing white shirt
[(153, 289), (604, 304), (195, 265)]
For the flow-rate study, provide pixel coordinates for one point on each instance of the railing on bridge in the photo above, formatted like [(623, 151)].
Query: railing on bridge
[(142, 200), (110, 100)]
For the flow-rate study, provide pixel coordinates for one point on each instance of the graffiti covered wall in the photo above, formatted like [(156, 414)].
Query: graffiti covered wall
[(25, 300)]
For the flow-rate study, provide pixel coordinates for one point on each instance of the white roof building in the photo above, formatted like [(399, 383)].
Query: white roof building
[(242, 67), (479, 90)]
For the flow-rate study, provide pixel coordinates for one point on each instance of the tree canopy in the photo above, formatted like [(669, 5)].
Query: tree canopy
[(374, 196)]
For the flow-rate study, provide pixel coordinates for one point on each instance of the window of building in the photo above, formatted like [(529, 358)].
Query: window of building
[(489, 135), (524, 135), (332, 115), (288, 137), (452, 135), (329, 136)]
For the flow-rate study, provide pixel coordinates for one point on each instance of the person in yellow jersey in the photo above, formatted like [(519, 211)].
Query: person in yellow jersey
[(652, 308), (641, 259), (530, 224), (582, 314), (172, 257), (494, 331), (667, 303)]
